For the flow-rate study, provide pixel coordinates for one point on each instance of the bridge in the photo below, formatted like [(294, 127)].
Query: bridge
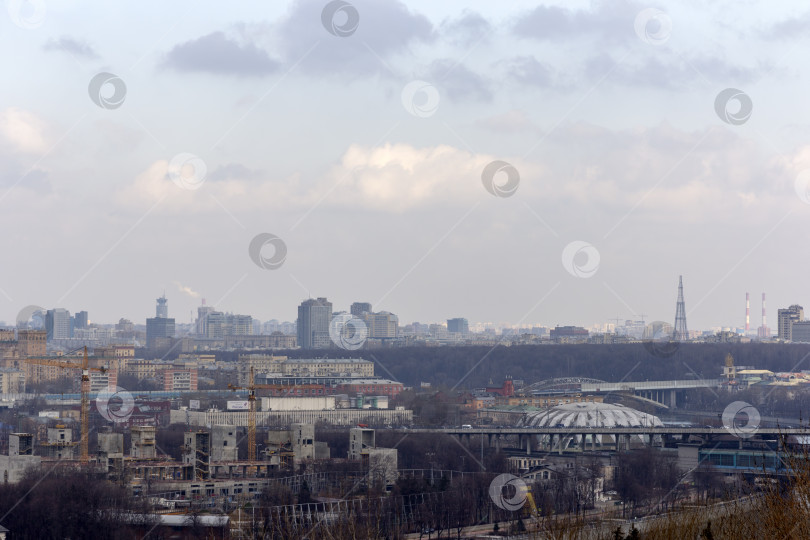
[(560, 438), (666, 393)]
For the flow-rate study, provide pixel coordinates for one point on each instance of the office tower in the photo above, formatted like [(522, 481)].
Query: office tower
[(57, 324), (160, 326), (80, 320), (314, 317), (785, 318), (680, 332), (202, 318), (458, 325), (382, 325), (359, 308)]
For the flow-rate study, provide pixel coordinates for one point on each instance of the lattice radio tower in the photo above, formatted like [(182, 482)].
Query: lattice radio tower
[(680, 332)]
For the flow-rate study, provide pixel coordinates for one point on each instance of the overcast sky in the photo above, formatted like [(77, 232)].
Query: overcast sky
[(358, 134)]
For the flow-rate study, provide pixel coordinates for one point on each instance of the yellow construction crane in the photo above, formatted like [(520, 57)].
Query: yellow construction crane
[(84, 418)]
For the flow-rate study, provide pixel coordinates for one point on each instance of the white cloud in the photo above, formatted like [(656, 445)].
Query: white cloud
[(186, 290), (23, 130)]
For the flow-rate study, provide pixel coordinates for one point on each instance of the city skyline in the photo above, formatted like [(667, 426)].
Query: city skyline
[(204, 310), (163, 163)]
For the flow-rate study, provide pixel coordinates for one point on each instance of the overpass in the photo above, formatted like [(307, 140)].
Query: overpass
[(555, 438), (664, 392)]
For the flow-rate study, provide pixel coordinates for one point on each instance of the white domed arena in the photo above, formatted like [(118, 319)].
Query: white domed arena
[(588, 415)]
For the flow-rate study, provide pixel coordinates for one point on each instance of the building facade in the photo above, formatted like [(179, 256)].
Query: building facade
[(785, 319), (314, 316)]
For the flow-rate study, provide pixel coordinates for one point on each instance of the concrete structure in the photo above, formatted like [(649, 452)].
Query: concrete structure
[(314, 317), (381, 463), (20, 457), (360, 441), (338, 417), (785, 319), (325, 403), (111, 452), (223, 444), (197, 453), (142, 442), (289, 447), (60, 443)]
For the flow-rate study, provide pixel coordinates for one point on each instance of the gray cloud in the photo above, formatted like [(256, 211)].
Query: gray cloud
[(528, 70), (468, 29), (458, 82), (72, 46), (233, 171), (788, 28), (216, 53), (671, 72), (611, 21), (385, 29)]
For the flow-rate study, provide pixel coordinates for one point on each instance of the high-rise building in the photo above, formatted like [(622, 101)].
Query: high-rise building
[(57, 324), (314, 317), (359, 308), (785, 318), (161, 326), (458, 325), (202, 318), (162, 307), (800, 332), (382, 325), (158, 327), (80, 320)]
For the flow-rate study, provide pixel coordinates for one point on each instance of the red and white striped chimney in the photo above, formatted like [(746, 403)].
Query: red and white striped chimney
[(747, 313)]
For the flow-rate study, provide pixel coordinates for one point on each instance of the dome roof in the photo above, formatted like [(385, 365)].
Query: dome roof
[(590, 415)]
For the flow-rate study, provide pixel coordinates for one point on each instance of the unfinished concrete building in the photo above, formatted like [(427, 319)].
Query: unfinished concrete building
[(360, 440), (111, 452), (20, 457), (60, 443), (381, 463), (142, 444), (197, 453), (289, 447), (223, 444)]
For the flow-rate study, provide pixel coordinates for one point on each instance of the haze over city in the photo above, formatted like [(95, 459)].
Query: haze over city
[(304, 135), (403, 269)]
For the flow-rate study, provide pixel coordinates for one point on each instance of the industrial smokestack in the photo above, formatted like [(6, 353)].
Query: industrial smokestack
[(747, 313)]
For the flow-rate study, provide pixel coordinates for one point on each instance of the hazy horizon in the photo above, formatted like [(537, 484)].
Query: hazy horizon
[(144, 149)]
